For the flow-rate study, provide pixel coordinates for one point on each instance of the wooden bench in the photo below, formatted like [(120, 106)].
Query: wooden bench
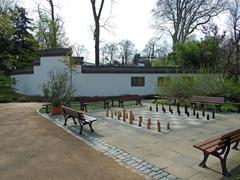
[(219, 147), (159, 97), (82, 119), (217, 101), (121, 99), (174, 99), (47, 105), (89, 100)]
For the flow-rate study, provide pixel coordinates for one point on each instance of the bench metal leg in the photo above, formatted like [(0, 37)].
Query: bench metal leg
[(120, 104), (85, 107), (66, 118), (223, 162), (90, 126), (65, 122), (81, 107), (106, 105), (74, 121), (139, 103), (205, 158), (235, 147), (47, 111), (80, 128), (223, 159), (224, 168)]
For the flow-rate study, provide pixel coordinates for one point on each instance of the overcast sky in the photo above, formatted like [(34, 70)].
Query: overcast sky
[(130, 19)]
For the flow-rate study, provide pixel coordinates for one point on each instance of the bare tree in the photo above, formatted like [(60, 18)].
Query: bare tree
[(110, 52), (5, 5), (152, 47), (50, 31), (127, 49), (80, 51), (180, 18), (97, 14), (234, 43), (53, 23)]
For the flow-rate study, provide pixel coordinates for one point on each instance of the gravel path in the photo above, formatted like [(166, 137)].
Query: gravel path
[(31, 147)]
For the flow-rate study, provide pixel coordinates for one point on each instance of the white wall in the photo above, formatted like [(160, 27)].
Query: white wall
[(86, 84), (30, 84), (113, 84)]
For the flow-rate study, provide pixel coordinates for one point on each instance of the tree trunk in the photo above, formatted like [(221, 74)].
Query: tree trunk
[(97, 16), (237, 60), (53, 23), (97, 37)]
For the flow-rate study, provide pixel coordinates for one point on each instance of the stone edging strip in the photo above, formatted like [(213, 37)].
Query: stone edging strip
[(119, 155)]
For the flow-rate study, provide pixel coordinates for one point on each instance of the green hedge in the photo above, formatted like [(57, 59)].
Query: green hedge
[(200, 84)]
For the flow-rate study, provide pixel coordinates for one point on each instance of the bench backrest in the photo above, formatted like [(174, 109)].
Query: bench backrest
[(230, 137), (208, 99), (130, 97), (72, 112), (92, 99)]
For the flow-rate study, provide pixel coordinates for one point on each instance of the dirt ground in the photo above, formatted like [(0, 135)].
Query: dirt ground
[(33, 148)]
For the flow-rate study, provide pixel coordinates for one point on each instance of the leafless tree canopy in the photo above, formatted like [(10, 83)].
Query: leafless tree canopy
[(109, 53), (49, 27), (153, 48), (6, 4), (233, 45), (80, 51), (127, 49), (180, 18)]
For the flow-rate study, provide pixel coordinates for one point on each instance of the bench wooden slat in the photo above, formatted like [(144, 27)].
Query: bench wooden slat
[(214, 149), (206, 142), (90, 100), (209, 145), (130, 97), (233, 133), (88, 118), (207, 99), (121, 99)]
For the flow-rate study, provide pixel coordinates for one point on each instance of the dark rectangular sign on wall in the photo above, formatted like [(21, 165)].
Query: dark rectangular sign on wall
[(137, 81)]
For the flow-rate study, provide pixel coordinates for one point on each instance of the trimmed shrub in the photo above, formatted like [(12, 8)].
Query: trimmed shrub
[(201, 84), (57, 89)]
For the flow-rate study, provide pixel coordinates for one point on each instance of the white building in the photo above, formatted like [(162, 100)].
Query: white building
[(91, 80)]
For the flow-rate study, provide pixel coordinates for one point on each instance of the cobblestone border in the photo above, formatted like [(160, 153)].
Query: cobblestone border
[(122, 157)]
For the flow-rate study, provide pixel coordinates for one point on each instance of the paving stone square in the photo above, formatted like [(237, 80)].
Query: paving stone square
[(168, 154)]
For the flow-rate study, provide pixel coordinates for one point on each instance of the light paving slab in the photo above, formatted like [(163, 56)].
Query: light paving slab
[(170, 151)]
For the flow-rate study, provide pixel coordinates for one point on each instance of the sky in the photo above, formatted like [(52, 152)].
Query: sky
[(129, 19)]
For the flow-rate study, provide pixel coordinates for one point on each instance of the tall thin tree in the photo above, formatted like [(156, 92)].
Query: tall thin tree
[(53, 24), (97, 14)]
